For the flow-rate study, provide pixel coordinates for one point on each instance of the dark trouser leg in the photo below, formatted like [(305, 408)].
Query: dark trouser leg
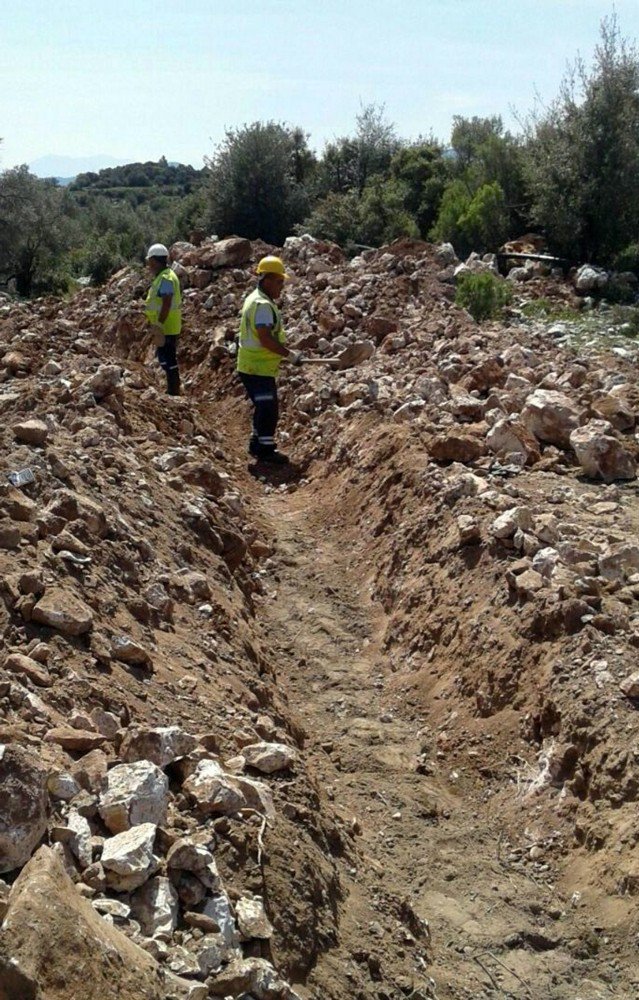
[(262, 391), (168, 361)]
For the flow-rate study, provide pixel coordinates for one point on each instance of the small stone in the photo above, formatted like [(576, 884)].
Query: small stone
[(31, 431), (63, 611), (269, 757), (17, 663), (74, 739), (630, 686)]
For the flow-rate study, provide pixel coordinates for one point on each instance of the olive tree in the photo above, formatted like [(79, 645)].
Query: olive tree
[(582, 157), (257, 181)]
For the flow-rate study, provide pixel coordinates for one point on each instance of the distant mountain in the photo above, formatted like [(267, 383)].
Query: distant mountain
[(67, 167)]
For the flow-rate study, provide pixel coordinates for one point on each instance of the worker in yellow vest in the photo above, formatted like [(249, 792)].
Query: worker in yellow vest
[(163, 310), (262, 349)]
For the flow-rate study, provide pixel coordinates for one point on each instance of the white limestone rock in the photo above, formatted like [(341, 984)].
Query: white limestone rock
[(212, 790), (252, 920), (135, 793), (155, 907), (269, 758), (600, 454), (128, 858), (551, 416)]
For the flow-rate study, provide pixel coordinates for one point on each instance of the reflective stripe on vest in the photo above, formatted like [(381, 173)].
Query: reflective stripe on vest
[(252, 358), (173, 322)]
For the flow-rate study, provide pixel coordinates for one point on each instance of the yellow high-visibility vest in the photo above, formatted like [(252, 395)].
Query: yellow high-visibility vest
[(173, 322), (252, 358)]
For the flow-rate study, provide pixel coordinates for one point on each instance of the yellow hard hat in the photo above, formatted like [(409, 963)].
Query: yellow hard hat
[(271, 265)]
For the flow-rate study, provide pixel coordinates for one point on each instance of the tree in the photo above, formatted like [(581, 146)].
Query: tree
[(349, 162), (382, 212), (582, 158), (376, 141), (34, 231), (424, 173), (336, 218), (253, 187)]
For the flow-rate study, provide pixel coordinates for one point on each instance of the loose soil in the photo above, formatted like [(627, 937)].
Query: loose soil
[(462, 821)]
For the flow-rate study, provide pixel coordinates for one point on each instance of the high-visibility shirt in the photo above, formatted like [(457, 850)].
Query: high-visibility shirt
[(252, 358), (173, 322)]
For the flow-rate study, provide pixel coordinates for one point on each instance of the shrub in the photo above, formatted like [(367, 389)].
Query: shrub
[(483, 295), (476, 221), (627, 259)]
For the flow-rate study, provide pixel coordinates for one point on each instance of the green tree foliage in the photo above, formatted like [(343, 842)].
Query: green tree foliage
[(582, 162), (484, 200), (177, 179), (348, 163), (424, 172), (357, 197), (334, 218), (35, 231), (483, 295), (485, 153), (383, 216), (476, 221), (257, 181)]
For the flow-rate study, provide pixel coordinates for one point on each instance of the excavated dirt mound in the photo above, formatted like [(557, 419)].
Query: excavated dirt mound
[(400, 674)]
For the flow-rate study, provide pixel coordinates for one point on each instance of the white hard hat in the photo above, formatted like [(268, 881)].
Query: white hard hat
[(157, 250)]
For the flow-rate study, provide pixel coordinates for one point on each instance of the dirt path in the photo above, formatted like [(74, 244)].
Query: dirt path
[(436, 902)]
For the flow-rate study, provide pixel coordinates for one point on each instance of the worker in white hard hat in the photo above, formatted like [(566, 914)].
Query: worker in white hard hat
[(262, 349), (164, 313)]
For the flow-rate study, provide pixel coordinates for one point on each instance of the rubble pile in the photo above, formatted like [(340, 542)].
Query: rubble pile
[(486, 478)]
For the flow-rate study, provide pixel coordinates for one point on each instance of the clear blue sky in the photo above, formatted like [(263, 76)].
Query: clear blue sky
[(136, 79)]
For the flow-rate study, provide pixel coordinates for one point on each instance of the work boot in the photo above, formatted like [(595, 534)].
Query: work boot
[(173, 383)]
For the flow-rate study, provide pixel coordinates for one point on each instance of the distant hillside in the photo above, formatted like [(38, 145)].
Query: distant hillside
[(67, 167), (139, 183)]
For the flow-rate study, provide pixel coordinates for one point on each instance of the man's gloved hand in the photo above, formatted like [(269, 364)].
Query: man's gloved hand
[(297, 358), (158, 335)]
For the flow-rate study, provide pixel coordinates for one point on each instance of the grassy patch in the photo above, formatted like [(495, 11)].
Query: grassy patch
[(546, 309)]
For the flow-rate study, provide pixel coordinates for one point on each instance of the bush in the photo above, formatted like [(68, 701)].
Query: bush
[(627, 259), (483, 295), (472, 222)]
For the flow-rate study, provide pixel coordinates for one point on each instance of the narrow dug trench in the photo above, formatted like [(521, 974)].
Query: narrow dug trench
[(444, 640), (435, 900)]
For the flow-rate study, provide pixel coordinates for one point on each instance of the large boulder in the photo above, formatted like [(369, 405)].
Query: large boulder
[(590, 279), (254, 976), (54, 946), (155, 907), (600, 454), (551, 416), (23, 808), (509, 436), (31, 431), (233, 252), (161, 745), (455, 447), (135, 793), (212, 790), (103, 382), (128, 858)]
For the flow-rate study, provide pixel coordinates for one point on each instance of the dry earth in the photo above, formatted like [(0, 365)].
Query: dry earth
[(443, 630)]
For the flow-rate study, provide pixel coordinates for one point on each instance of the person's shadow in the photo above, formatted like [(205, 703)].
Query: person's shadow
[(277, 475)]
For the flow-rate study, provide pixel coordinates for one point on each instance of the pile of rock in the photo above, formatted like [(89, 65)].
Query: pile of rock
[(119, 848)]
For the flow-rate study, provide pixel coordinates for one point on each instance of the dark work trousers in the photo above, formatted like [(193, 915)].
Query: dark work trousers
[(168, 361), (262, 391)]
